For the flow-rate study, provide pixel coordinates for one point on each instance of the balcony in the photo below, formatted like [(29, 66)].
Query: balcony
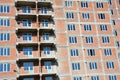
[(26, 38), (45, 12), (48, 55), (25, 12), (28, 68), (49, 68), (46, 25), (27, 53), (47, 41), (26, 25)]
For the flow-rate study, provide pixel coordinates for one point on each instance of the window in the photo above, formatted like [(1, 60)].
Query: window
[(71, 27), (91, 52), (115, 32), (27, 51), (26, 23), (5, 22), (119, 54), (77, 78), (84, 4), (110, 2), (85, 15), (105, 39), (4, 36), (45, 36), (4, 51), (26, 10), (44, 23), (46, 50), (117, 43), (110, 65), (28, 66), (48, 66), (27, 37), (112, 77), (92, 65), (94, 78), (74, 52), (44, 10), (101, 15), (87, 27), (70, 15), (107, 52), (68, 3), (48, 78), (75, 66), (4, 9), (111, 11), (113, 22), (72, 39), (4, 67), (99, 5), (103, 27), (28, 79), (89, 39)]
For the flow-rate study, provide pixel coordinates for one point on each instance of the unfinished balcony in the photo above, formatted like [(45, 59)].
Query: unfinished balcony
[(23, 11), (48, 53), (27, 38), (49, 68), (26, 53), (26, 24), (45, 12), (46, 25), (47, 38), (28, 68)]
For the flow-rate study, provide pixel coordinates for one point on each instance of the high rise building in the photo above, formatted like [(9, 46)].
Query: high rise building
[(59, 39)]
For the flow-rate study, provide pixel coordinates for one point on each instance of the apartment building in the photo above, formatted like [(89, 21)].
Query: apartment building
[(59, 39)]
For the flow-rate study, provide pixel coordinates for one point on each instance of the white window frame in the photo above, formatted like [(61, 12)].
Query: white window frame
[(4, 51), (28, 66), (27, 8), (46, 50), (73, 39), (4, 67), (68, 3), (28, 23), (93, 65), (28, 51), (27, 35), (69, 15), (110, 65), (74, 52), (76, 66), (84, 4), (85, 15), (89, 40)]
